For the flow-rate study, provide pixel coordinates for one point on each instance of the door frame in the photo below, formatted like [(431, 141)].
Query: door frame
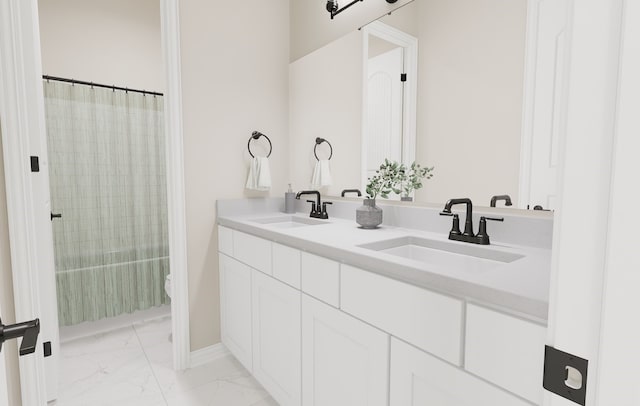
[(410, 95), (22, 112)]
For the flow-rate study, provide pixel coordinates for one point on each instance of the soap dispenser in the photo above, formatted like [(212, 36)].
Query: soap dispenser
[(289, 201)]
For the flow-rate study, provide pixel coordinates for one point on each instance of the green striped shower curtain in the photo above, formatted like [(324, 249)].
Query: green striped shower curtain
[(108, 179)]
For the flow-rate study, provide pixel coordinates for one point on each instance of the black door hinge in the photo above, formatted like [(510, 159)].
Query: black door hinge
[(565, 375), (403, 77), (35, 164)]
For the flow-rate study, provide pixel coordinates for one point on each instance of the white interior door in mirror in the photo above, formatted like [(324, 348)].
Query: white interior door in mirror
[(384, 109), (544, 113)]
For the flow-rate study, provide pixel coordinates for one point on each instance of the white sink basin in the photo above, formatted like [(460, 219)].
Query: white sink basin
[(289, 221), (443, 254)]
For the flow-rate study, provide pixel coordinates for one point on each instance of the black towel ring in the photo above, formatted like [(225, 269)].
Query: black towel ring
[(320, 141), (254, 136)]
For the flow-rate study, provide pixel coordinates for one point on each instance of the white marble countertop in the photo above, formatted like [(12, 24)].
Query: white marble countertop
[(520, 287)]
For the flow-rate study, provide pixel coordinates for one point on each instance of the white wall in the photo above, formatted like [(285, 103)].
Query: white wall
[(235, 68), (313, 28), (114, 42), (325, 99), (10, 348)]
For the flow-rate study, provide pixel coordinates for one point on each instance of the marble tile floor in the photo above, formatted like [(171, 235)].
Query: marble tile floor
[(133, 366)]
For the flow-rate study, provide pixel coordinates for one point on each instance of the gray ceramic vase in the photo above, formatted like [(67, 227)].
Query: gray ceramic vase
[(369, 215)]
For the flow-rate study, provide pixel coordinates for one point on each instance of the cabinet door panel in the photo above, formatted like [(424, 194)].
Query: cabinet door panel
[(276, 338), (419, 379), (344, 361), (235, 308), (506, 350)]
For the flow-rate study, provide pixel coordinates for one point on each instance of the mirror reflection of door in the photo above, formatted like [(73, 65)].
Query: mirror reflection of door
[(389, 114), (384, 103)]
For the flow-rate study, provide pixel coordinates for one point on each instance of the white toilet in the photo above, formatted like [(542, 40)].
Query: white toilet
[(167, 288), (167, 285)]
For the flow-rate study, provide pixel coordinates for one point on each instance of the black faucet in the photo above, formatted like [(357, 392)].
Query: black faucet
[(318, 209), (344, 192), (481, 238), (506, 198)]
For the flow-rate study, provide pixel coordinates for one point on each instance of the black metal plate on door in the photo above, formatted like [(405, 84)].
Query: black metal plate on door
[(35, 164), (558, 366)]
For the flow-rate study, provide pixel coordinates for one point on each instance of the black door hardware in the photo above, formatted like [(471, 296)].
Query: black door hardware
[(565, 375), (35, 164), (56, 216), (28, 331)]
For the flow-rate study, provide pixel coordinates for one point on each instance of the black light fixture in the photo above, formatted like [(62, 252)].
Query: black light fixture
[(334, 9)]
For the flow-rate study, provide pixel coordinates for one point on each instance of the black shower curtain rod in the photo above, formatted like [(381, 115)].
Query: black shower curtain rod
[(80, 82)]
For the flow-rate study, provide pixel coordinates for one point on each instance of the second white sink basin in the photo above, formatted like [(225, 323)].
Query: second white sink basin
[(444, 254), (289, 221)]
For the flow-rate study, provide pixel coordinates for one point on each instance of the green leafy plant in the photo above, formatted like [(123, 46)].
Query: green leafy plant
[(411, 179), (385, 179)]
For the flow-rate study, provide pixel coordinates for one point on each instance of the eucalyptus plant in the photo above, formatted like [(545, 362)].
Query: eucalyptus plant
[(385, 179), (411, 179)]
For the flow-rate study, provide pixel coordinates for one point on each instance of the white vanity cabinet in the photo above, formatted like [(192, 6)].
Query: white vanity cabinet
[(276, 338), (419, 379), (345, 362), (235, 309), (315, 332)]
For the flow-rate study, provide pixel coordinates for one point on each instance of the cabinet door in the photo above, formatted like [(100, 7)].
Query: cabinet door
[(345, 362), (235, 308), (419, 379), (276, 338)]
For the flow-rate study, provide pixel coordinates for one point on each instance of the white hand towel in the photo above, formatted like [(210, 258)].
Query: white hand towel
[(321, 174), (259, 174)]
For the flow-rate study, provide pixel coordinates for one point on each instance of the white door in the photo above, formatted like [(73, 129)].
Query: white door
[(276, 338), (49, 329), (4, 400), (544, 115), (384, 109), (345, 362), (235, 309), (419, 379)]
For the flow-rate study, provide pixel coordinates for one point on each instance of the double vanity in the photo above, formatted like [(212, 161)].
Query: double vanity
[(325, 313)]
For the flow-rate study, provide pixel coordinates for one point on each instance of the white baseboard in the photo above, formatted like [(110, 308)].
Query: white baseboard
[(208, 354)]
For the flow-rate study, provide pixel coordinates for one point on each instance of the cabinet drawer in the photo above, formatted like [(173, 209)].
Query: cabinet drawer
[(321, 278), (428, 320), (253, 251), (286, 264), (418, 379), (506, 350), (225, 240)]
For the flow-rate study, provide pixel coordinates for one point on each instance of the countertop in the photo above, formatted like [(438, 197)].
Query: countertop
[(520, 287)]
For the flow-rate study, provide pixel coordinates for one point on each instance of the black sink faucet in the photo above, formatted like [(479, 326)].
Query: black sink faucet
[(318, 209), (506, 198), (468, 222), (481, 238)]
